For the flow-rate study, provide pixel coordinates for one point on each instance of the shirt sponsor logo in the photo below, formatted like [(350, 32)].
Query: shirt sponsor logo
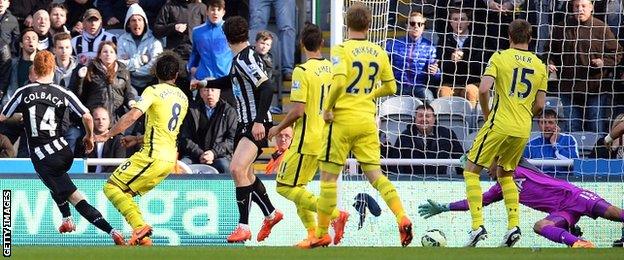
[(296, 85)]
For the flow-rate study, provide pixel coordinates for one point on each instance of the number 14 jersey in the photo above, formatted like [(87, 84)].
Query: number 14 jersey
[(365, 65), (165, 107)]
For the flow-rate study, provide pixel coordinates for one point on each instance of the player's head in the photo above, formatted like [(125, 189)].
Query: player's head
[(44, 64), (58, 15), (283, 139), (520, 31), (311, 37), (548, 123), (582, 9), (101, 120), (216, 10), (41, 22), (29, 41), (236, 30), (459, 19), (416, 24), (425, 118), (62, 45), (167, 66), (358, 17)]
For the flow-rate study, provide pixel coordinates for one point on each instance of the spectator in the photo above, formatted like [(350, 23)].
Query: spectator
[(66, 64), (207, 135), (461, 58), (211, 56), (9, 35), (499, 15), (92, 36), (612, 13), (264, 41), (138, 48), (24, 10), (584, 52), (105, 83), (58, 19), (110, 149), (613, 151), (235, 8), (29, 42), (282, 142), (6, 147), (425, 140), (41, 25), (76, 9), (260, 11), (175, 21), (551, 143), (113, 12), (414, 60)]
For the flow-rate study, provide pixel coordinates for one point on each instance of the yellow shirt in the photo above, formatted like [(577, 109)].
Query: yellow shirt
[(309, 86), (365, 66), (165, 107), (519, 75)]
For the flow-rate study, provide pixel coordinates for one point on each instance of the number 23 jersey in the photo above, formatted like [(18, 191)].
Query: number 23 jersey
[(365, 65), (165, 107)]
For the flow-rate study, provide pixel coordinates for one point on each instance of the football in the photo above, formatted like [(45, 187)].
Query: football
[(433, 238)]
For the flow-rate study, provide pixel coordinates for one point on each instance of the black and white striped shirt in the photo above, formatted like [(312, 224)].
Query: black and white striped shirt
[(247, 74), (43, 107), (85, 45)]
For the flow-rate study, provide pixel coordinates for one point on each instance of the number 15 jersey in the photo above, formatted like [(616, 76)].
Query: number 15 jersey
[(165, 107), (365, 65)]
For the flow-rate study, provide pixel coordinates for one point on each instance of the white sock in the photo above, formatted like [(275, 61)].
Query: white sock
[(67, 218), (243, 226), (270, 216)]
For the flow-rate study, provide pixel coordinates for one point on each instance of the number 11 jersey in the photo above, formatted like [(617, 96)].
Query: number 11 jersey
[(365, 65), (165, 107)]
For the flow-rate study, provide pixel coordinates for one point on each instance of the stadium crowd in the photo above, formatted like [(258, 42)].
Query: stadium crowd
[(105, 50)]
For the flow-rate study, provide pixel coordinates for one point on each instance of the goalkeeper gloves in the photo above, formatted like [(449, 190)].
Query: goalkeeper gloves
[(462, 161), (432, 208)]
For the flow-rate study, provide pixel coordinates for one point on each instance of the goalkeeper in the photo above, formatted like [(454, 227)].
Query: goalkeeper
[(564, 202)]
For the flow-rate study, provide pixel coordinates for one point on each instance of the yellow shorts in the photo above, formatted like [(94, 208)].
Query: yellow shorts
[(297, 169), (341, 139), (489, 145), (141, 173)]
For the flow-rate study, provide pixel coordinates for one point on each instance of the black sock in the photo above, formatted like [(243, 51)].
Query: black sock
[(243, 195), (260, 197), (62, 205), (93, 216)]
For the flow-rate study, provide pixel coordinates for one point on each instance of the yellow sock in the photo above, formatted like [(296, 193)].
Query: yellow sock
[(390, 196), (475, 198), (302, 198), (512, 200), (124, 203), (326, 204), (307, 218)]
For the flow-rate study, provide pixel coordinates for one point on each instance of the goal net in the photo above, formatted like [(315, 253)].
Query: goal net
[(440, 63)]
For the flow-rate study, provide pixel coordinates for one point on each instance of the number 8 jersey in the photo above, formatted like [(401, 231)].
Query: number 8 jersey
[(365, 65), (43, 107), (165, 107)]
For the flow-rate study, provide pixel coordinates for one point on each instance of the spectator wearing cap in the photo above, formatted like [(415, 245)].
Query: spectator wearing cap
[(86, 44), (138, 48)]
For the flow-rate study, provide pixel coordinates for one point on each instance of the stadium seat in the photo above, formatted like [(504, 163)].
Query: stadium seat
[(555, 104), (585, 141), (459, 127), (454, 107), (391, 130), (203, 169), (399, 108)]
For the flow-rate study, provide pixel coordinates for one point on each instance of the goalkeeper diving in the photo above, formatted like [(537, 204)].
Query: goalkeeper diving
[(564, 202)]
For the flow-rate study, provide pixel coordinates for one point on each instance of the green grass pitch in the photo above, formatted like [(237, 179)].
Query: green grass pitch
[(359, 253)]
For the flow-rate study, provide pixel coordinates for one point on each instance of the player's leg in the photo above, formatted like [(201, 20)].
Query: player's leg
[(244, 155), (119, 193), (326, 202), (510, 153), (63, 205), (555, 227), (259, 196), (94, 216), (605, 210)]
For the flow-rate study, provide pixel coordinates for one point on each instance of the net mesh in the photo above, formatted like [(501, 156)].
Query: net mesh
[(585, 91)]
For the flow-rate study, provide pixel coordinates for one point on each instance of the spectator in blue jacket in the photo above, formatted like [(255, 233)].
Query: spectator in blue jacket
[(551, 143), (138, 48), (414, 60), (211, 56)]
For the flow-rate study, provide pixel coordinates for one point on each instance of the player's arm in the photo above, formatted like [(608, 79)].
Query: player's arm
[(540, 102), (432, 208), (388, 83), (339, 78), (296, 111), (615, 132), (298, 96), (487, 82), (124, 122), (224, 82)]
